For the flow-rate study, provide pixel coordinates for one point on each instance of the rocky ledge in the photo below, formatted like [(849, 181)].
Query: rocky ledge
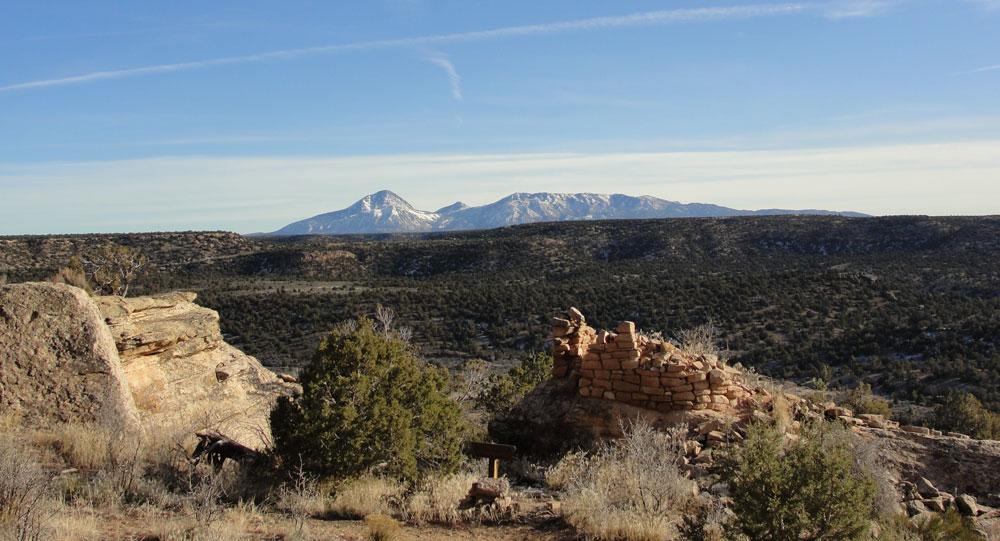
[(160, 360)]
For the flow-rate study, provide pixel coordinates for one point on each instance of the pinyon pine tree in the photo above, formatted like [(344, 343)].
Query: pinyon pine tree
[(368, 405)]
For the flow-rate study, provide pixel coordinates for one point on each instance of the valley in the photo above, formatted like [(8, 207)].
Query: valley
[(907, 304)]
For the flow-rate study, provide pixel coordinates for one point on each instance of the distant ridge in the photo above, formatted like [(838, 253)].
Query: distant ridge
[(386, 212)]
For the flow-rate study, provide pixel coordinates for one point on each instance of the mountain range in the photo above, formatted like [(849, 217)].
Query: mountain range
[(386, 212)]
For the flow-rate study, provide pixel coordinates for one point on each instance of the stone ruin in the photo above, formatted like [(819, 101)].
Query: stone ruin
[(642, 371)]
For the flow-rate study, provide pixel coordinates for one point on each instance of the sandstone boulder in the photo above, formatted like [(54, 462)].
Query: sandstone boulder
[(184, 376), (58, 360), (967, 505), (927, 489)]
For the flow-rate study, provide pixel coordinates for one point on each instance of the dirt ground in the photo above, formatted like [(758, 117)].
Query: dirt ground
[(280, 527)]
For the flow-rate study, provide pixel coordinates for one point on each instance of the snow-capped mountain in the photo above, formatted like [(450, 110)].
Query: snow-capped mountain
[(380, 212), (386, 212)]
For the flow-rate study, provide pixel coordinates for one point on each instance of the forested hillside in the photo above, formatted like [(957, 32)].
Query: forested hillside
[(910, 304)]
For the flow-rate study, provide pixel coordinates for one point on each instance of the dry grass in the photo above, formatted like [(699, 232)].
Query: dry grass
[(191, 529), (781, 411), (70, 523), (381, 528), (991, 529), (559, 475), (710, 521), (367, 495), (82, 446), (24, 506), (632, 489), (302, 497), (438, 497)]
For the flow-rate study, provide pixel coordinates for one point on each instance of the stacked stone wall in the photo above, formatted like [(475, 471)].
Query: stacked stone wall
[(625, 366)]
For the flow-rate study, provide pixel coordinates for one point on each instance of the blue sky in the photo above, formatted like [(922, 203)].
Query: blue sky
[(130, 116)]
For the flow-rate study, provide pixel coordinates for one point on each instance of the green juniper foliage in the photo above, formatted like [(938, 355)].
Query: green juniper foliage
[(862, 400), (503, 391), (963, 412), (808, 489), (368, 404)]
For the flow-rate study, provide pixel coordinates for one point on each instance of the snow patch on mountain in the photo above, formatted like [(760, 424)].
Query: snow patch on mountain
[(386, 212)]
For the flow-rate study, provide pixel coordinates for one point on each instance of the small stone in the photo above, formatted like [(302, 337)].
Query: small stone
[(487, 489), (967, 505), (223, 372), (626, 327), (927, 489), (576, 316), (935, 504), (692, 447), (837, 412), (915, 507), (561, 323), (697, 376)]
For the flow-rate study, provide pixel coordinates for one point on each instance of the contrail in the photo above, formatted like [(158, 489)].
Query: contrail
[(647, 18), (454, 79), (980, 70)]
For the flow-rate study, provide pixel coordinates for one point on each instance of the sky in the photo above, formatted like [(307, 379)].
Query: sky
[(141, 116)]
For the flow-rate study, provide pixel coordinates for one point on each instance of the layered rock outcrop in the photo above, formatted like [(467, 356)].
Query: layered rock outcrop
[(159, 362), (182, 373), (58, 361)]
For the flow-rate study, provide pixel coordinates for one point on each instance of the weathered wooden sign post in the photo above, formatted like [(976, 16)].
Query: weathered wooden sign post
[(493, 452)]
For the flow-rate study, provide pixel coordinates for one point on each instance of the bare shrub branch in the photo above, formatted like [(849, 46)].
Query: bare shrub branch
[(113, 268)]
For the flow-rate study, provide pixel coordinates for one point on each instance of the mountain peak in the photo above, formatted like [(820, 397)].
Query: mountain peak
[(386, 212), (386, 197), (454, 207)]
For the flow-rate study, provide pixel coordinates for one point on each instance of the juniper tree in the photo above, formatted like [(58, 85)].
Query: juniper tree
[(368, 404)]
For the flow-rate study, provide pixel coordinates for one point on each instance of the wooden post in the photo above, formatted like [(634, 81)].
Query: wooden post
[(493, 452)]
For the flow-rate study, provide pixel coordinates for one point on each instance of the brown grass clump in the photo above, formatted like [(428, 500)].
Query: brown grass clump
[(632, 489), (73, 523), (381, 528), (23, 493), (367, 495), (438, 497), (781, 411), (558, 476), (82, 446)]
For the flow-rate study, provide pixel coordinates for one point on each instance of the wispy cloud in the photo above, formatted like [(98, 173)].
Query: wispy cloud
[(986, 4), (648, 18), (847, 9), (980, 70), (454, 79)]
